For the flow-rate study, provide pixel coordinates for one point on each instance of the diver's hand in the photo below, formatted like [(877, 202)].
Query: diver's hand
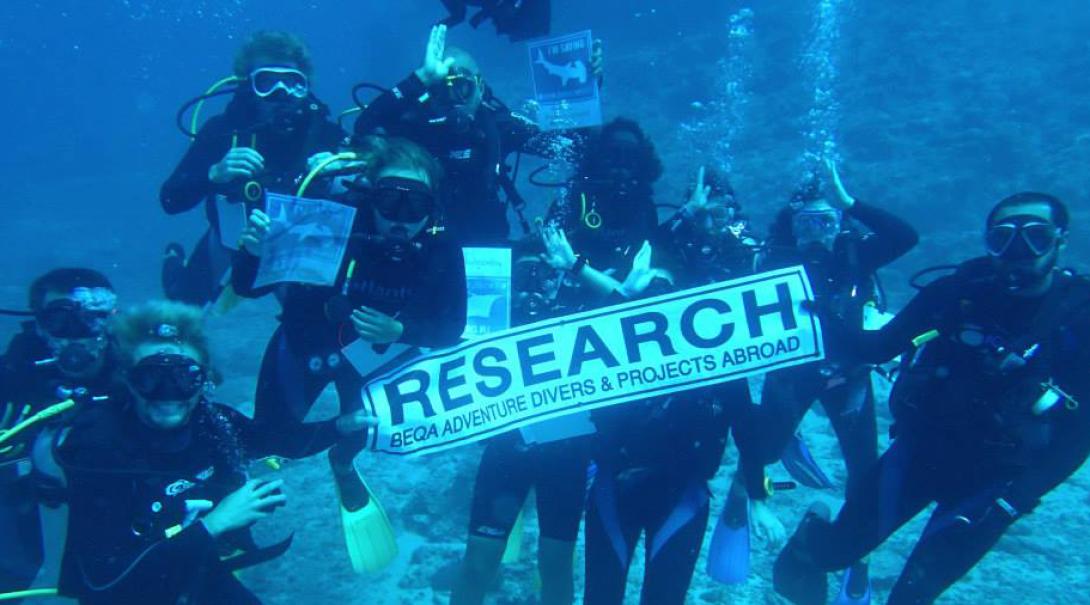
[(355, 422), (597, 60), (558, 252), (841, 200), (436, 66), (245, 506), (766, 525), (253, 236), (641, 274), (376, 327), (239, 163), (698, 201)]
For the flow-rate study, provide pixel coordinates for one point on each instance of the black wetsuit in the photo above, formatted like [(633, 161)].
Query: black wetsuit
[(654, 458), (285, 147), (472, 155), (967, 437), (843, 279), (133, 537), (32, 388), (557, 469), (426, 292)]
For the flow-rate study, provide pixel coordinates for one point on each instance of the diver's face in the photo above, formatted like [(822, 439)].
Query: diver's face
[(279, 87), (618, 166), (1024, 243), (463, 87), (167, 382), (402, 202), (73, 325), (718, 217), (816, 226)]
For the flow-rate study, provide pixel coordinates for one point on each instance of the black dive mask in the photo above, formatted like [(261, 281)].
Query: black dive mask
[(167, 377), (1022, 238), (68, 319), (402, 200)]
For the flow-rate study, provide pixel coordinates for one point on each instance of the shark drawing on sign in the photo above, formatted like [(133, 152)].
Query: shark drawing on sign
[(574, 70)]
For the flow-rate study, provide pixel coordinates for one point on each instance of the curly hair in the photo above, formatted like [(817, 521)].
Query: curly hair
[(379, 153), (278, 46), (160, 321)]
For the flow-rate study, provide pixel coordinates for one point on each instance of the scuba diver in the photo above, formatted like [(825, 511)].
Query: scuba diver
[(446, 107), (841, 242), (401, 281), (262, 141), (517, 19), (61, 359), (569, 268), (654, 458), (987, 409), (157, 484)]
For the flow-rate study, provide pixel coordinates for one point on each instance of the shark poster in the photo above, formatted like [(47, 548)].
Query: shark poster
[(306, 242), (564, 86)]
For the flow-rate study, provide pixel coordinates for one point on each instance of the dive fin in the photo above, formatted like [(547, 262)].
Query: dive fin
[(794, 575), (513, 552), (855, 588), (802, 467), (367, 532), (728, 555)]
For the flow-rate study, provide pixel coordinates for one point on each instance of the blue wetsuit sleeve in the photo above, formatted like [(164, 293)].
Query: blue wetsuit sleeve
[(891, 237)]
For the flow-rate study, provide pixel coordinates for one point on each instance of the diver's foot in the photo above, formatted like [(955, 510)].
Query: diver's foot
[(173, 271), (353, 493), (794, 575)]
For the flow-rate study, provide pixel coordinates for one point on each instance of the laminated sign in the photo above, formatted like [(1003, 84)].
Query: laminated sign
[(306, 241), (553, 368), (565, 88)]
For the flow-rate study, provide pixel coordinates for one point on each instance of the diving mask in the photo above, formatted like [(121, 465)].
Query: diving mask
[(267, 80)]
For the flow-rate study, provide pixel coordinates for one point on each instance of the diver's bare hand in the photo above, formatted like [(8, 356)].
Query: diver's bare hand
[(842, 200), (558, 252), (436, 66), (355, 422), (239, 163), (245, 506), (375, 326), (253, 236), (766, 525), (699, 199), (597, 61)]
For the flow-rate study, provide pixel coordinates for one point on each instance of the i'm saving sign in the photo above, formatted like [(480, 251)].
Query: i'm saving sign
[(609, 356)]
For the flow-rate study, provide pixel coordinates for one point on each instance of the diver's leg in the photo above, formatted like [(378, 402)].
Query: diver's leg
[(288, 383), (890, 494), (785, 399), (611, 539), (561, 482), (850, 408), (499, 493), (957, 537), (674, 546)]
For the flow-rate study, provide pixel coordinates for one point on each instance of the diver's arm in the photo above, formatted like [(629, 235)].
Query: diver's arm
[(391, 106), (437, 317), (891, 237), (189, 184), (296, 441), (916, 319), (1070, 443)]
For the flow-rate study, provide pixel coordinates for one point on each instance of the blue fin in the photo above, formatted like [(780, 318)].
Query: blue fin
[(728, 555), (802, 467), (844, 598)]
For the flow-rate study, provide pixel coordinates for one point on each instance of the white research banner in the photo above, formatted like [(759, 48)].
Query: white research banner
[(644, 348)]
